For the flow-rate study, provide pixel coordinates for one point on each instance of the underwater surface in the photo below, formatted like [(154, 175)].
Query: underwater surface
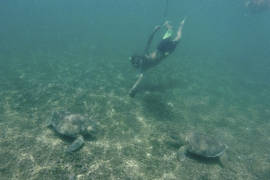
[(72, 55)]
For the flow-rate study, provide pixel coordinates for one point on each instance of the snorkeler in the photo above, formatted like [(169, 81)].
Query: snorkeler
[(150, 59), (256, 6)]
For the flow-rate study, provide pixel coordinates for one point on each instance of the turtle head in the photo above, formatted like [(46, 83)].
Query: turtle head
[(89, 130), (183, 138)]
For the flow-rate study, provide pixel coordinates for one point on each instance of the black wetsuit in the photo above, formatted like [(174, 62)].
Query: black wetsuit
[(167, 46)]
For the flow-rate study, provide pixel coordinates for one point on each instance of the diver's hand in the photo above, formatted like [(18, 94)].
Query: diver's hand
[(183, 21), (167, 24), (157, 27)]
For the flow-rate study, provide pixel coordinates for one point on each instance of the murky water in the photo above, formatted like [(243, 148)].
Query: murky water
[(73, 56)]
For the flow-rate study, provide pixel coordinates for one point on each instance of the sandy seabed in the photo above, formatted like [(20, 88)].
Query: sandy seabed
[(135, 134)]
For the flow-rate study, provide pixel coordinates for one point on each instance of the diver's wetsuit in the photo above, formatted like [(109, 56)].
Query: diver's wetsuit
[(166, 46)]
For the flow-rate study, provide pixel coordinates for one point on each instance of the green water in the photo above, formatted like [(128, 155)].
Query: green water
[(73, 56)]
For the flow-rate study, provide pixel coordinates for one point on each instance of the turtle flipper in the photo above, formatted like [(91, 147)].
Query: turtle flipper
[(49, 124), (76, 145), (181, 154)]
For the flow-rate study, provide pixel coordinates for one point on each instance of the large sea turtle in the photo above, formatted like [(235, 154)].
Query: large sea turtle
[(74, 126), (202, 145)]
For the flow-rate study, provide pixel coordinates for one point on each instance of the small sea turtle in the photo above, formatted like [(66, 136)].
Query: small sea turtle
[(201, 145), (73, 126)]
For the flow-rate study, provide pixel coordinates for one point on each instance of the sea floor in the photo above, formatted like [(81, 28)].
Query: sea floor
[(135, 134)]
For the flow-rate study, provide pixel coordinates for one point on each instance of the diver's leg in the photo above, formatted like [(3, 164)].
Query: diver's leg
[(179, 32), (133, 90), (150, 39)]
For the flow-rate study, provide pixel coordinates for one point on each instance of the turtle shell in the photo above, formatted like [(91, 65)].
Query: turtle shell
[(204, 145), (68, 124)]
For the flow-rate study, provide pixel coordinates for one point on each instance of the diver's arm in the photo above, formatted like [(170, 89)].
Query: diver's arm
[(167, 25), (179, 32), (133, 90), (150, 39)]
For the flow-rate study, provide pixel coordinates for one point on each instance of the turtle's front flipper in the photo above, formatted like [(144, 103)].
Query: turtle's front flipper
[(76, 145), (181, 154)]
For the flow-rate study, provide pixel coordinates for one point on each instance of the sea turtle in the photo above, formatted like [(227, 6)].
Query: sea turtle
[(202, 145), (74, 126)]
